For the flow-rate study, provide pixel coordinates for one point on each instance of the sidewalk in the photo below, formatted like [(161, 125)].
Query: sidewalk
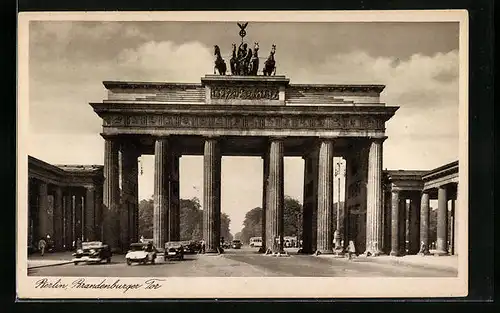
[(447, 263), (35, 260)]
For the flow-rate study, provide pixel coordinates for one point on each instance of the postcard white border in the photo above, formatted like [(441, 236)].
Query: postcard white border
[(254, 287)]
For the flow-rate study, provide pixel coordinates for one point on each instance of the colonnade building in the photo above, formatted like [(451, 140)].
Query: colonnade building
[(64, 202), (262, 116)]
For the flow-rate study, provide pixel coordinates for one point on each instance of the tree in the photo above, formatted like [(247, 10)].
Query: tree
[(191, 220), (224, 227), (252, 225), (146, 218), (292, 220), (292, 217), (237, 236)]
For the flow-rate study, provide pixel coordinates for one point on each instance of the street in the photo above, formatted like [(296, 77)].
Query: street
[(246, 262)]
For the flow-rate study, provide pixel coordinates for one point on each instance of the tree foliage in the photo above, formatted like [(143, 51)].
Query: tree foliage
[(191, 220), (292, 220)]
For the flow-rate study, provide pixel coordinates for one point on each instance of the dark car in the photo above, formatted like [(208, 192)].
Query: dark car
[(236, 244), (191, 246), (92, 252), (174, 250)]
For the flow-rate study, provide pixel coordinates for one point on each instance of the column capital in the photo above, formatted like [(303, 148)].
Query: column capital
[(378, 139), (110, 137), (90, 187)]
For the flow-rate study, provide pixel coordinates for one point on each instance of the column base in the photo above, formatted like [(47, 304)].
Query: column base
[(277, 254), (321, 252), (424, 253), (441, 253), (302, 251), (395, 253), (369, 253)]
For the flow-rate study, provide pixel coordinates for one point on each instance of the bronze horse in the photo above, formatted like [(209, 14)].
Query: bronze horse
[(269, 65), (234, 62), (220, 64), (253, 65)]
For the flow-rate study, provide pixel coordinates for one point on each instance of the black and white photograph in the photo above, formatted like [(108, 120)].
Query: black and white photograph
[(207, 154)]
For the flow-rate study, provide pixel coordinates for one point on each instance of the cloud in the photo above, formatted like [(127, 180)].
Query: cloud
[(166, 61)]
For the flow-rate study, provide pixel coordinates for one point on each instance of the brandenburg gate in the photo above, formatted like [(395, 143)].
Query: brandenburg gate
[(246, 115)]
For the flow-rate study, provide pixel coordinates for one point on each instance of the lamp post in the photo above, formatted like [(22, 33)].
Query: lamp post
[(337, 235), (299, 228)]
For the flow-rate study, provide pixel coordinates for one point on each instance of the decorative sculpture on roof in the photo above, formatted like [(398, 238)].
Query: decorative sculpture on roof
[(243, 33), (220, 64), (253, 66), (243, 60), (270, 64)]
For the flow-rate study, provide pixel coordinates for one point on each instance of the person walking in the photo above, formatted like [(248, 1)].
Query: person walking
[(203, 246), (42, 244), (351, 250)]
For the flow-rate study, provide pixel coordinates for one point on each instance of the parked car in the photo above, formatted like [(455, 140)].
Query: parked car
[(92, 252), (236, 244), (174, 250), (191, 246), (141, 252)]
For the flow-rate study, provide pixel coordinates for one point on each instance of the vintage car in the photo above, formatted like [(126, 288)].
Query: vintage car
[(174, 250), (141, 252), (92, 252), (236, 244), (191, 246)]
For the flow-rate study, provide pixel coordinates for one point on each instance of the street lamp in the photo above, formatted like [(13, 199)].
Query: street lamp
[(337, 236), (299, 227)]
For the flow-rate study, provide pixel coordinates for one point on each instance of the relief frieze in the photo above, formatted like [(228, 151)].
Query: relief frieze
[(238, 121), (244, 93)]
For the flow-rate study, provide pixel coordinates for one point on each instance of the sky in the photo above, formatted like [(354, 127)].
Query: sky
[(418, 63)]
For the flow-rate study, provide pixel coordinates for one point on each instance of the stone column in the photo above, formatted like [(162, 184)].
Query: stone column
[(395, 223), (374, 205), (314, 199), (160, 211), (79, 207), (424, 224), (89, 213), (111, 195), (98, 233), (275, 197), (452, 228), (307, 210), (58, 219), (174, 203), (265, 179), (43, 217), (442, 222), (68, 220), (129, 182), (414, 223), (325, 198), (402, 226), (211, 195)]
